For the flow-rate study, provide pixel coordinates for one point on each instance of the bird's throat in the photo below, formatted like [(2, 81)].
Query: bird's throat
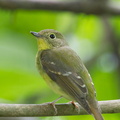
[(43, 45)]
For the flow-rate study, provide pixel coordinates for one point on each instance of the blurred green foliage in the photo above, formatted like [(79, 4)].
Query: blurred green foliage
[(20, 82)]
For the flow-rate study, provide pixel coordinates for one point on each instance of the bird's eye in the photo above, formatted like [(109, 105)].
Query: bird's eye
[(52, 36)]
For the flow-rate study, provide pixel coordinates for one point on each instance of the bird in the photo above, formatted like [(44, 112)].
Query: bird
[(64, 71)]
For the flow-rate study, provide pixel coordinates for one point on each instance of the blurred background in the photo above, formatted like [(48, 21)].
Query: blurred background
[(95, 38)]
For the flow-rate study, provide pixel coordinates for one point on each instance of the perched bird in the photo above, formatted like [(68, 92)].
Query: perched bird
[(64, 71)]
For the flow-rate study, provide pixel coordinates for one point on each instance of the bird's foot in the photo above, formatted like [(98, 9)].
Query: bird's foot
[(76, 106), (53, 104)]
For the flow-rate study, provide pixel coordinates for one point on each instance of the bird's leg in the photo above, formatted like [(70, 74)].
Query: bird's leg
[(57, 99), (76, 105), (53, 104)]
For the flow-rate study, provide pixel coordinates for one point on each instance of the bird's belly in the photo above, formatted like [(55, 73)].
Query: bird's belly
[(54, 86), (50, 82)]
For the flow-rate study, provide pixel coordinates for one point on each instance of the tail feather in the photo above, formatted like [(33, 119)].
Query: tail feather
[(92, 108), (97, 114)]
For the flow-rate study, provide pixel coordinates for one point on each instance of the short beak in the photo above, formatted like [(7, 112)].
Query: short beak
[(36, 34)]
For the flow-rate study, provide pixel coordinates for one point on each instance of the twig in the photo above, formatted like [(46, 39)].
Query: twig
[(112, 39), (33, 110), (114, 45), (81, 6)]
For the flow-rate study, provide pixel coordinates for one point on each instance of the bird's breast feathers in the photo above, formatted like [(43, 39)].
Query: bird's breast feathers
[(65, 73), (66, 69)]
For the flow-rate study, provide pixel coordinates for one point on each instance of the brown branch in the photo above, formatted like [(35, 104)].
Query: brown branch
[(114, 45), (33, 110), (86, 6), (112, 39)]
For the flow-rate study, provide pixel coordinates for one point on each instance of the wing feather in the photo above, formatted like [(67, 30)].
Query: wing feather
[(65, 75)]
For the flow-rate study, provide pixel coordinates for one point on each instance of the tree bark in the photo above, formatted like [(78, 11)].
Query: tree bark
[(47, 109), (81, 6)]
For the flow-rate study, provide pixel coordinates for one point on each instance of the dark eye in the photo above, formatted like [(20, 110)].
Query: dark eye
[(52, 36)]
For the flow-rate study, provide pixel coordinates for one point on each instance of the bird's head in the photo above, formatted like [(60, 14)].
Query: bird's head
[(49, 39)]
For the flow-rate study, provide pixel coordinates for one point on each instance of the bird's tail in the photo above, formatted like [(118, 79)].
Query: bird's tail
[(97, 114), (92, 109)]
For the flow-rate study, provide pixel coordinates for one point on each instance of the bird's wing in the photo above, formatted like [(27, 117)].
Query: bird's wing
[(64, 67)]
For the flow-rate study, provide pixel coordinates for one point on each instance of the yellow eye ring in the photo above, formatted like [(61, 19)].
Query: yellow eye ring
[(52, 36)]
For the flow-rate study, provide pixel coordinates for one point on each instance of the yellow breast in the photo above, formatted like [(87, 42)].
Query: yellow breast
[(48, 80), (43, 45)]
